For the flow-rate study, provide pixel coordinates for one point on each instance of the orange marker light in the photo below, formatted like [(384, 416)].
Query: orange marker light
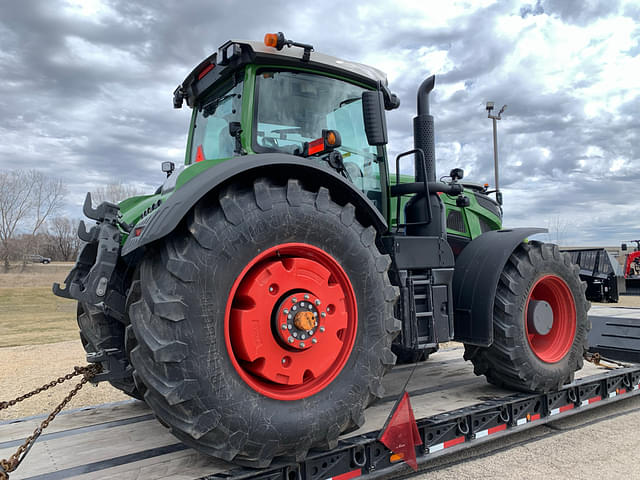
[(396, 457), (331, 138), (271, 40)]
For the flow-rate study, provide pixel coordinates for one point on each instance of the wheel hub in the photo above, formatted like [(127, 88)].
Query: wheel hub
[(297, 320), (291, 321), (540, 317), (550, 318)]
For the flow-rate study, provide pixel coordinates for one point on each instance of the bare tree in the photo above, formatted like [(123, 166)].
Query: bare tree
[(15, 204), (48, 195), (115, 192), (558, 228), (26, 196), (62, 236)]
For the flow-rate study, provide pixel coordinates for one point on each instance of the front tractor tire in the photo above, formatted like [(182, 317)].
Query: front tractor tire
[(540, 323), (264, 323)]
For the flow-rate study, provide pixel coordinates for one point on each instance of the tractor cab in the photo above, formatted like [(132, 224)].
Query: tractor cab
[(251, 98)]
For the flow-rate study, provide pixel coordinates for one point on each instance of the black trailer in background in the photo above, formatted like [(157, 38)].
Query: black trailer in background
[(601, 271)]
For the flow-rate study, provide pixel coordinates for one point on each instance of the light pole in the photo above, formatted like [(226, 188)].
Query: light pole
[(490, 106)]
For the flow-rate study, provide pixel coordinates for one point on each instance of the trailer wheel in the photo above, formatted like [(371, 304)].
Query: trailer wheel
[(540, 322), (99, 332), (264, 323)]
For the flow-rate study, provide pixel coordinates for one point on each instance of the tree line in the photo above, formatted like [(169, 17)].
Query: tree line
[(31, 220)]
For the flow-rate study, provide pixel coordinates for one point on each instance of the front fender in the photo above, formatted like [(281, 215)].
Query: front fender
[(166, 217), (475, 281)]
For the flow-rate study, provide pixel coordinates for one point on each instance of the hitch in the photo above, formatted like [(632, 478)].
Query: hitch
[(89, 278), (113, 365)]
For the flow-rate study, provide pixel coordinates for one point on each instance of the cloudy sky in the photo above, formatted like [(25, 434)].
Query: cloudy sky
[(85, 91)]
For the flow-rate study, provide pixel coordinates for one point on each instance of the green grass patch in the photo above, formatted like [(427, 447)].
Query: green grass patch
[(32, 315)]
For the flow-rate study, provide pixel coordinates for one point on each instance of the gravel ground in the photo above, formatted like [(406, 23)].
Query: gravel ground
[(23, 369)]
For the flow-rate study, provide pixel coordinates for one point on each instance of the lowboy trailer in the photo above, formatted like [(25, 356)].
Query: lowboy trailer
[(455, 410)]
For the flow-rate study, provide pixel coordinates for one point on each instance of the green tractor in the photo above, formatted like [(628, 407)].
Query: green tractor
[(256, 300)]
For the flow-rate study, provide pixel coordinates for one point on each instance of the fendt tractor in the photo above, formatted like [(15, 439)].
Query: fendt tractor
[(258, 297)]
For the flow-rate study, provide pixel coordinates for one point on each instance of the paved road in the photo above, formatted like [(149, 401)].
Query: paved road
[(602, 443)]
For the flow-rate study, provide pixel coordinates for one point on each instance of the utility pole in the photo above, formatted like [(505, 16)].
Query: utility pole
[(495, 118)]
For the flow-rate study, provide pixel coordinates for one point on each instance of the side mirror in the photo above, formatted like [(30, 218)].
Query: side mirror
[(168, 167), (623, 247), (456, 174), (375, 123)]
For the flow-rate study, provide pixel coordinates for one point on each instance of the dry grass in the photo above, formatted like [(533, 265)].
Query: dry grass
[(625, 301), (30, 313)]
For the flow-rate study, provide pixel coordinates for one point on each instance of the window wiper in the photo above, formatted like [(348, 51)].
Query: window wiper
[(211, 107), (348, 101)]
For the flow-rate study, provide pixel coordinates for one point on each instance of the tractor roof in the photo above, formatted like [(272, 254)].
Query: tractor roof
[(234, 54)]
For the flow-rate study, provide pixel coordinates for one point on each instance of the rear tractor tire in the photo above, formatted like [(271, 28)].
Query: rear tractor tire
[(100, 332), (264, 323), (540, 322)]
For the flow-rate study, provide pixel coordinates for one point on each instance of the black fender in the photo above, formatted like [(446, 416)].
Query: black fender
[(475, 280), (273, 165)]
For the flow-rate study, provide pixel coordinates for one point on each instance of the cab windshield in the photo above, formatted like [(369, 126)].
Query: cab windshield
[(293, 108)]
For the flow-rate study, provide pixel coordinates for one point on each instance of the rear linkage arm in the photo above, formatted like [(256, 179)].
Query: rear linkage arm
[(88, 281)]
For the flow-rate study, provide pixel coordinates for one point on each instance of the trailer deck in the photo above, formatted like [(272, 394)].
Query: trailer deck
[(454, 410)]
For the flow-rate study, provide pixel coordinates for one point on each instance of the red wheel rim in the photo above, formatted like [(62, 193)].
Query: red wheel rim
[(260, 321), (553, 346)]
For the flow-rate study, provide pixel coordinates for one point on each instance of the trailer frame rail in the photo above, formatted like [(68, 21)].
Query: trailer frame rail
[(451, 431)]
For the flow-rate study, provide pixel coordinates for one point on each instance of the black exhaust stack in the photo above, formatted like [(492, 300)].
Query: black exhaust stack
[(421, 222), (423, 133)]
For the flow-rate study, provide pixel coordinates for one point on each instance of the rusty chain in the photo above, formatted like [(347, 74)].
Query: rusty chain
[(88, 372), (600, 361)]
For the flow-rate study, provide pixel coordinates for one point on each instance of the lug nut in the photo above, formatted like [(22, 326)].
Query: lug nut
[(323, 314), (301, 344), (303, 336), (306, 297), (290, 340), (314, 340), (284, 326), (294, 308), (286, 311), (289, 316), (289, 327), (294, 300), (295, 334), (302, 304), (317, 302), (322, 329)]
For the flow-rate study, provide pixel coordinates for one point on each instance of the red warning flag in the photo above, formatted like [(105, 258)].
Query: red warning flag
[(400, 433), (199, 154)]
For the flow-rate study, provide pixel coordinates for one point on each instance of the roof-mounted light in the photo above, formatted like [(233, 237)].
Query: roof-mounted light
[(228, 52), (274, 40), (278, 41)]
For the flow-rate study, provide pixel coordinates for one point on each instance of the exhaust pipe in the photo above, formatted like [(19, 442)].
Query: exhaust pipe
[(425, 213), (423, 133)]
